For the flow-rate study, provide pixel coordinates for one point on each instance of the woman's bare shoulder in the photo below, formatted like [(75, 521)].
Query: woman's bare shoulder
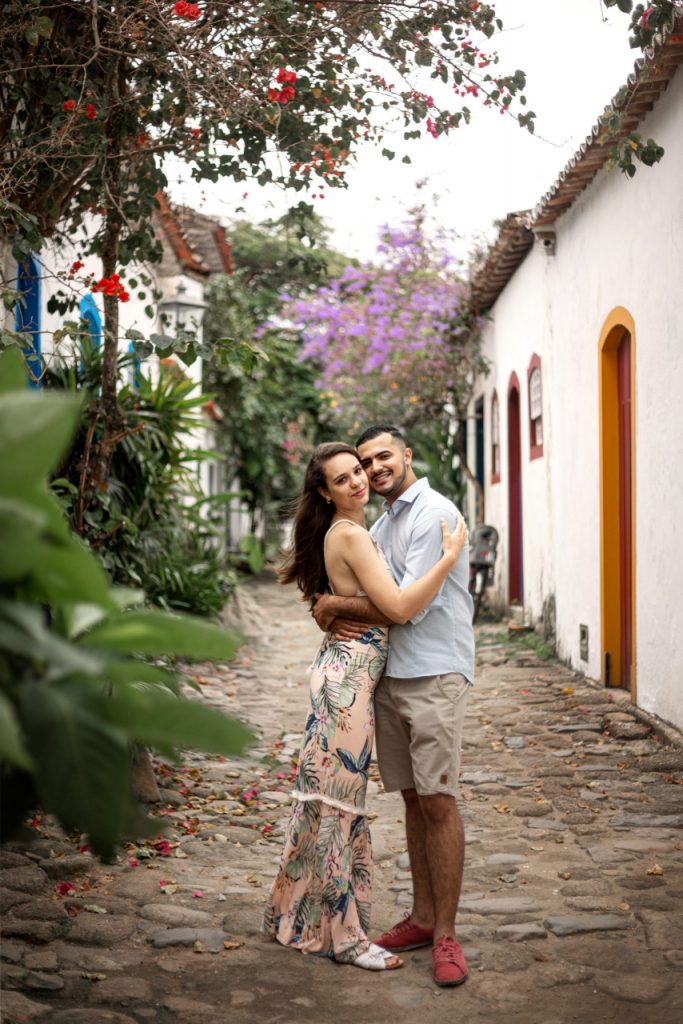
[(346, 533)]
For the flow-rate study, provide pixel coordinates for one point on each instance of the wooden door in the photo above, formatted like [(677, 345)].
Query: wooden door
[(515, 560), (625, 509)]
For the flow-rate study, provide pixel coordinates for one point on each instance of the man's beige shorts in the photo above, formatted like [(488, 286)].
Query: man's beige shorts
[(418, 726)]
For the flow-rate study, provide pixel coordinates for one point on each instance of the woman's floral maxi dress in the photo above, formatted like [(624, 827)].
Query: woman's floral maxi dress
[(321, 898)]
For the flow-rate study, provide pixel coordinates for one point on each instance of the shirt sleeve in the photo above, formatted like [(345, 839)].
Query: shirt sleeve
[(424, 550)]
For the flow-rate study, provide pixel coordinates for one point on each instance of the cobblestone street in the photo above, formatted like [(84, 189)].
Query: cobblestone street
[(571, 906)]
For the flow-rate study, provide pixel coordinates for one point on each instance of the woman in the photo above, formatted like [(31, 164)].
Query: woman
[(320, 900)]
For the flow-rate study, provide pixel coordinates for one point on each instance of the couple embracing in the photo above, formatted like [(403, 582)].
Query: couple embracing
[(409, 682)]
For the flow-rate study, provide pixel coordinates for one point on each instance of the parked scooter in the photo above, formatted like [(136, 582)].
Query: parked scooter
[(483, 548)]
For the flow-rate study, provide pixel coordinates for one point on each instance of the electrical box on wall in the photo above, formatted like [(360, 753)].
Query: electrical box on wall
[(583, 643)]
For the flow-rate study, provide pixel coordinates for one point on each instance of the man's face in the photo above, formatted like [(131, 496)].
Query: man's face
[(387, 464)]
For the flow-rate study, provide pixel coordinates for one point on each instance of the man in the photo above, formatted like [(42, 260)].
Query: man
[(420, 702)]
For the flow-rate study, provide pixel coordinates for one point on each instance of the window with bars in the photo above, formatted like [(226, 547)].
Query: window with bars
[(535, 408), (495, 439)]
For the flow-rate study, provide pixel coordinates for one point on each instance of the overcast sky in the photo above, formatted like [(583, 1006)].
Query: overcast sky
[(576, 57)]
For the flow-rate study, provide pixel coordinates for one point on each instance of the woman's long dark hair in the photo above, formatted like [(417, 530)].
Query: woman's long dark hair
[(304, 562)]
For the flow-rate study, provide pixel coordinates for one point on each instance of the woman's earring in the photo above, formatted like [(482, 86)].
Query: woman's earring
[(328, 500)]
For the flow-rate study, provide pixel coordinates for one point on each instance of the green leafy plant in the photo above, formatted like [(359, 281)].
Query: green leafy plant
[(253, 550), (82, 673), (150, 526)]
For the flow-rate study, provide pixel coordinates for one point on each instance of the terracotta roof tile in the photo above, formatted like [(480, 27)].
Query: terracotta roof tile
[(174, 231)]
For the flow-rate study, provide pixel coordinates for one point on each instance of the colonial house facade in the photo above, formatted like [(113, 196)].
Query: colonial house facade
[(577, 431), (164, 297)]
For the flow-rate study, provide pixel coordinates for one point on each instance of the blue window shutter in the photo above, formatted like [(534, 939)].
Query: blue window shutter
[(91, 314), (135, 368), (28, 316)]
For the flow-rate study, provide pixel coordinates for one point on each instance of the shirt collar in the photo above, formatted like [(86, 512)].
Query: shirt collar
[(407, 498)]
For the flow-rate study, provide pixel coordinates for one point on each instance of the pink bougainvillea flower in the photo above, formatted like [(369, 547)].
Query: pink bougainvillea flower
[(646, 17), (65, 888), (133, 862), (197, 894), (164, 847)]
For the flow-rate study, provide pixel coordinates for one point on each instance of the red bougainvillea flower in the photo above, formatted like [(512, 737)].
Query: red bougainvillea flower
[(111, 286), (75, 267), (164, 847), (90, 111), (284, 95), (188, 11), (65, 888), (68, 105), (196, 132)]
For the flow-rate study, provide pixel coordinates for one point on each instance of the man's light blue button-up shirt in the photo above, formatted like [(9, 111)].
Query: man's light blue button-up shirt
[(440, 638)]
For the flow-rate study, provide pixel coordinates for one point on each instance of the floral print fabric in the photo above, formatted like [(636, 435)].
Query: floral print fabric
[(320, 900)]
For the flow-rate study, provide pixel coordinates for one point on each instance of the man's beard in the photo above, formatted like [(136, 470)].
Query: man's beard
[(397, 484)]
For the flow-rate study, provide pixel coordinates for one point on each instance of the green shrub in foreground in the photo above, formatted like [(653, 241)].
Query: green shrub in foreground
[(78, 678)]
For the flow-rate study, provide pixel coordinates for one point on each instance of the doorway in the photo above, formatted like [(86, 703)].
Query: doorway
[(479, 450), (515, 557), (617, 497)]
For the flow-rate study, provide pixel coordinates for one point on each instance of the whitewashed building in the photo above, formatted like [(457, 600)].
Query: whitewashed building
[(577, 432), (164, 297)]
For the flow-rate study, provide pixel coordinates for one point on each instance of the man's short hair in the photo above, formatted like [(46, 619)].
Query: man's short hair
[(381, 428)]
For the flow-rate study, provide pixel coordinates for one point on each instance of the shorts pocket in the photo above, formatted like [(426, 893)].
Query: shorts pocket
[(452, 686)]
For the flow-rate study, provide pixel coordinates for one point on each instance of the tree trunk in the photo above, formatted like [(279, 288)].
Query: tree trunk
[(111, 240), (143, 779)]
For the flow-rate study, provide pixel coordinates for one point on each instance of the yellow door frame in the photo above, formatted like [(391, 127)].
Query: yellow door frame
[(618, 323)]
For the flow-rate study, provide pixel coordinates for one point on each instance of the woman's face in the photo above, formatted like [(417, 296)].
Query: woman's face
[(347, 483)]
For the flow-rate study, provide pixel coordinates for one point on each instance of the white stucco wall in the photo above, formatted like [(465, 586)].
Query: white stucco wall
[(620, 244)]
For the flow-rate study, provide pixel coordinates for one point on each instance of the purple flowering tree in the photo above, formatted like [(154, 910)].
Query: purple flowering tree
[(396, 342)]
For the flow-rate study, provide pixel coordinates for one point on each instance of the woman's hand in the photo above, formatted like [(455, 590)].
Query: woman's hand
[(454, 542)]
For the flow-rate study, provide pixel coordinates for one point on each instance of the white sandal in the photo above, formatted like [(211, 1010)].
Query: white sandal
[(374, 958)]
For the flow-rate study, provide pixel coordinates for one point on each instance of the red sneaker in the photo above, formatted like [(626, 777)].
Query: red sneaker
[(448, 962), (404, 936)]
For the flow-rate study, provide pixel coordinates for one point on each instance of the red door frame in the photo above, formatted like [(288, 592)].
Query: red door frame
[(515, 556)]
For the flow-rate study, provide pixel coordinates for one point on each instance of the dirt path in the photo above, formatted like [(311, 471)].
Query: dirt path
[(573, 891)]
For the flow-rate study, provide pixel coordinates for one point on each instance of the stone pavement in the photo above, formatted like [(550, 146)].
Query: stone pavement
[(571, 909)]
